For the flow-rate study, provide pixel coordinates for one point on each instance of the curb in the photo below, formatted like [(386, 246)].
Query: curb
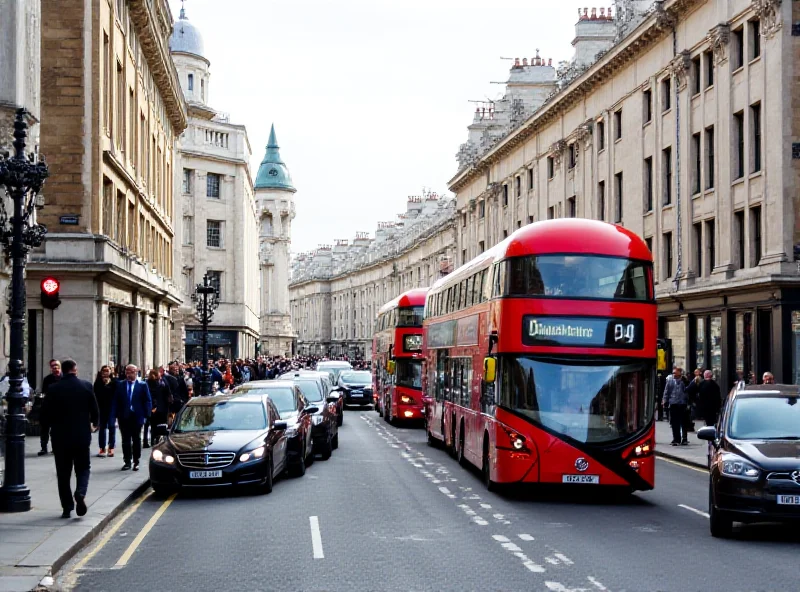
[(97, 529), (681, 460)]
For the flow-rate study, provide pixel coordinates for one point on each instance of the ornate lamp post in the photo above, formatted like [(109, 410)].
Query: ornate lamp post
[(206, 301), (22, 178)]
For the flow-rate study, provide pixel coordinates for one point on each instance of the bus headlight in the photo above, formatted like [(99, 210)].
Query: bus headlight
[(406, 399), (643, 448), (519, 443)]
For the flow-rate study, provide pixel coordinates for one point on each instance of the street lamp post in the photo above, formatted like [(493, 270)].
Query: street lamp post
[(206, 300), (22, 177)]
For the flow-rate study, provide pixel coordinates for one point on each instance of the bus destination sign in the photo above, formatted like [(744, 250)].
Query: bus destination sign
[(583, 331)]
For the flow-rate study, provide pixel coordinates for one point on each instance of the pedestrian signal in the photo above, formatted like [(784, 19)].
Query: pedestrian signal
[(50, 293)]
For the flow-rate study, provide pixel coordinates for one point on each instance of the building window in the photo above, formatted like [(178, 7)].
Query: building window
[(737, 48), (215, 279), (214, 234), (738, 219), (710, 157), (551, 213), (571, 210), (647, 104), (203, 89), (601, 200), (505, 195), (648, 184), (666, 94), (572, 150), (505, 234), (696, 62), (551, 167), (711, 244), (697, 160), (530, 219), (601, 135), (464, 220), (755, 229), (738, 130), (618, 196), (709, 59), (518, 187), (755, 118), (755, 38), (188, 230), (530, 179), (667, 238), (481, 247), (108, 207), (191, 82), (618, 124), (463, 256), (697, 230), (649, 242), (666, 165), (107, 85), (212, 185), (482, 209), (519, 224), (186, 187)]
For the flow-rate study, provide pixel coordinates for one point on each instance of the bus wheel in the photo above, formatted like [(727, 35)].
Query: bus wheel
[(460, 454), (486, 472), (387, 411), (453, 446), (432, 442)]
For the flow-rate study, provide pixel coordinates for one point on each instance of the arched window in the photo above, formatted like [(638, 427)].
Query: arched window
[(191, 81)]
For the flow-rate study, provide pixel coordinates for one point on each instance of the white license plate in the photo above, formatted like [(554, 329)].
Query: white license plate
[(789, 500), (356, 394), (205, 474), (594, 479)]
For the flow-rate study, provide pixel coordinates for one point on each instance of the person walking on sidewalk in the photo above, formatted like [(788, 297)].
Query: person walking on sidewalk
[(70, 410), (49, 380), (161, 400), (130, 407), (676, 397), (104, 388)]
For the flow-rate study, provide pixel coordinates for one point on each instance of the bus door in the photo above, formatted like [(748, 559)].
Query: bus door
[(441, 386)]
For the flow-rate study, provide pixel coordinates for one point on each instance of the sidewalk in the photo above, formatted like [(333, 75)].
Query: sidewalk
[(693, 454), (37, 543)]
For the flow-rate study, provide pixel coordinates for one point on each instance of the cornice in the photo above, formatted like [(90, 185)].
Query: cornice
[(658, 25), (718, 38), (159, 60)]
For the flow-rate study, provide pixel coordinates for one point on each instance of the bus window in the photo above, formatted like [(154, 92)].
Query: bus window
[(466, 382), (484, 285)]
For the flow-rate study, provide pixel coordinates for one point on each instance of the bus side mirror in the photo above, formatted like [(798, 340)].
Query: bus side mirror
[(390, 367), (489, 369)]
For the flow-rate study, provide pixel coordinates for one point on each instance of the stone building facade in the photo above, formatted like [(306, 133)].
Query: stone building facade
[(682, 128), (112, 109), (217, 226), (336, 291)]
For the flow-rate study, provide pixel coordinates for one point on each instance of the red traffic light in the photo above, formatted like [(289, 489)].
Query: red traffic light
[(50, 286)]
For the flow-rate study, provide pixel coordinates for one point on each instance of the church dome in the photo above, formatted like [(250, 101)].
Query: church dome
[(273, 174), (186, 38)]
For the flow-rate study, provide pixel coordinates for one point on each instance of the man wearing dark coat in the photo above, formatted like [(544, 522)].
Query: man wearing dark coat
[(70, 410)]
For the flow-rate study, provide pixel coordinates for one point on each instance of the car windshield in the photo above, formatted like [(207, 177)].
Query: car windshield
[(408, 373), (225, 415), (310, 390), (283, 397), (334, 369), (598, 402), (765, 418), (356, 378)]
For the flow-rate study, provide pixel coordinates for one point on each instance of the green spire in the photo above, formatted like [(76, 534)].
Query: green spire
[(273, 174)]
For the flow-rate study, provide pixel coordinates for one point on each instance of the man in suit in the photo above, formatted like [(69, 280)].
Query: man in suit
[(177, 384), (49, 380), (71, 412), (131, 406)]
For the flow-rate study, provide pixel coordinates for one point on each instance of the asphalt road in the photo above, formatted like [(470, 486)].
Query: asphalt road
[(387, 512)]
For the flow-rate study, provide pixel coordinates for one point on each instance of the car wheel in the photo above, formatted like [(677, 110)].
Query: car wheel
[(721, 526), (335, 441), (340, 417), (485, 469), (299, 468), (460, 452), (266, 487), (326, 449)]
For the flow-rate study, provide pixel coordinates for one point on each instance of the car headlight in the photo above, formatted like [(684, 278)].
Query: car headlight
[(252, 455), (739, 468), (160, 457), (317, 419)]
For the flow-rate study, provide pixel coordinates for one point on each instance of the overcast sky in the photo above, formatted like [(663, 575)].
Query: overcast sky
[(369, 97)]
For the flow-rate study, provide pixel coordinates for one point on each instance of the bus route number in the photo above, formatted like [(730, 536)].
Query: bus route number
[(625, 333)]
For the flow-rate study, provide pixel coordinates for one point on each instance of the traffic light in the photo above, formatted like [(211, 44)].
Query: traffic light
[(50, 293)]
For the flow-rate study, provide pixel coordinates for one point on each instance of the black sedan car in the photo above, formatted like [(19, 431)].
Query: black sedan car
[(223, 440), (327, 388), (325, 425), (295, 410), (356, 386), (755, 460)]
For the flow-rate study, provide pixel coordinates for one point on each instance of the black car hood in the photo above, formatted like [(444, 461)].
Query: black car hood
[(214, 441), (773, 455)]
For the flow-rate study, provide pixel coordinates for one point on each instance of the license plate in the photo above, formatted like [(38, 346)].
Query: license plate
[(205, 474), (789, 500), (594, 479), (356, 394)]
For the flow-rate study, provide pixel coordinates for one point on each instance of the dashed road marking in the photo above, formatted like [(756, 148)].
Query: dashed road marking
[(695, 510), (525, 537), (500, 538), (316, 538), (596, 584)]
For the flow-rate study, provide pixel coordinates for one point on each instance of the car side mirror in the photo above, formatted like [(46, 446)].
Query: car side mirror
[(280, 425), (334, 399), (311, 410), (708, 433)]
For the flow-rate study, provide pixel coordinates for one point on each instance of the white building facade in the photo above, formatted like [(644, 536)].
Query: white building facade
[(217, 225)]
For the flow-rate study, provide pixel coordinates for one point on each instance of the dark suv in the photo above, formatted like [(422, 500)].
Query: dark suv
[(755, 460)]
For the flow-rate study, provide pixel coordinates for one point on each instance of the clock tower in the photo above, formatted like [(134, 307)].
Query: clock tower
[(275, 202)]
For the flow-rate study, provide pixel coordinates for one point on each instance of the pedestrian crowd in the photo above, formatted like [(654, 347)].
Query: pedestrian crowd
[(141, 405)]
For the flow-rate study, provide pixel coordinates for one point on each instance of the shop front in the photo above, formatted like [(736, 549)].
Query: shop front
[(221, 344)]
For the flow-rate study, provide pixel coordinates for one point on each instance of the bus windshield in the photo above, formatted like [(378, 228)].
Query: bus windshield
[(576, 276), (408, 373), (410, 317), (588, 402)]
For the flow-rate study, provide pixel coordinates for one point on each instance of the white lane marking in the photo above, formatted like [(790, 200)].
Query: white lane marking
[(316, 538), (532, 566), (566, 560), (480, 521), (695, 510), (486, 506), (511, 547), (551, 560), (500, 538), (444, 490), (558, 587), (525, 537), (596, 584)]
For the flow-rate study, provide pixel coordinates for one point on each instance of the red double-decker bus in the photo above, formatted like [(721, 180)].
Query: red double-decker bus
[(541, 358), (397, 357)]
